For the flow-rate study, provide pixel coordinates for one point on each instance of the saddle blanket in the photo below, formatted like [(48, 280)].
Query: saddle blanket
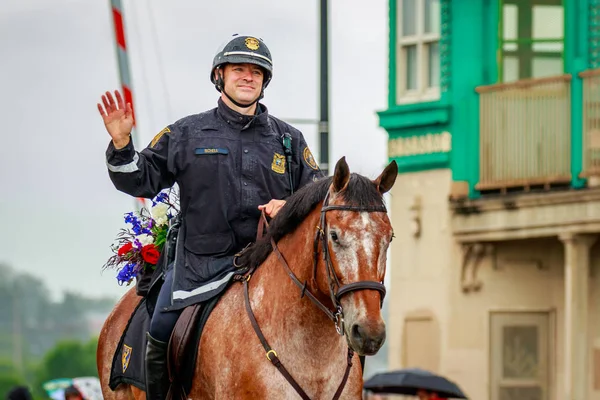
[(128, 361)]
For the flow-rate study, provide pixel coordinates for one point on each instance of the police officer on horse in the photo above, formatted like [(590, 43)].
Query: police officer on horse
[(230, 163)]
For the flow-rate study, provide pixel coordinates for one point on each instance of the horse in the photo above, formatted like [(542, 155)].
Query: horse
[(309, 306)]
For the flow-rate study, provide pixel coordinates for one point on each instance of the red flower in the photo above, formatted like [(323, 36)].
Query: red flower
[(126, 248), (150, 254)]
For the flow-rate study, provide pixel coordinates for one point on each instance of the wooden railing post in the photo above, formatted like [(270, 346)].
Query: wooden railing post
[(590, 152)]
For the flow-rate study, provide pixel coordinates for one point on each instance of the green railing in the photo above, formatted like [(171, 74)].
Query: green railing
[(525, 134), (591, 123)]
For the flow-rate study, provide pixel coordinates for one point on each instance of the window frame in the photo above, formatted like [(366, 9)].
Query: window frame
[(530, 40), (422, 41)]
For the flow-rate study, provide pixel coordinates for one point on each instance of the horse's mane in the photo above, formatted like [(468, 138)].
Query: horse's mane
[(360, 192)]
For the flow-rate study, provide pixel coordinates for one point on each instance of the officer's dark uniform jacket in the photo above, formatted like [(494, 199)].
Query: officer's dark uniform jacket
[(225, 165)]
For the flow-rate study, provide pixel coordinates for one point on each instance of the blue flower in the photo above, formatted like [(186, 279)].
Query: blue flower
[(126, 274), (136, 224), (130, 218), (148, 228), (162, 197)]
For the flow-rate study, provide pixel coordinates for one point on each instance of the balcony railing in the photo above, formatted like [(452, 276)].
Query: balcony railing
[(525, 134), (591, 122)]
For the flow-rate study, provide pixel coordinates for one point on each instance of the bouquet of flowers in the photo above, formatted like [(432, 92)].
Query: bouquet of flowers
[(138, 247)]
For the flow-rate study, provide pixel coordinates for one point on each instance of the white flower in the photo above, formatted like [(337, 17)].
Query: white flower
[(159, 212), (145, 239), (161, 221)]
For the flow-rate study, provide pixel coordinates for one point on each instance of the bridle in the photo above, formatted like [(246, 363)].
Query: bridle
[(336, 289)]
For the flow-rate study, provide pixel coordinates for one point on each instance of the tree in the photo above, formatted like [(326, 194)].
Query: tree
[(31, 323), (69, 359), (41, 339), (9, 377)]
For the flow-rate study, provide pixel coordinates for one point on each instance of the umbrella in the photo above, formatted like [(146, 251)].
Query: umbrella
[(56, 388), (89, 387), (409, 381)]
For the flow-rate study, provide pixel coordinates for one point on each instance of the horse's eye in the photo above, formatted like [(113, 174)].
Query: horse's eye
[(334, 237)]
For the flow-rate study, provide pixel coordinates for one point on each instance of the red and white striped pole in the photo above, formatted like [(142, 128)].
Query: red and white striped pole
[(121, 47), (123, 61)]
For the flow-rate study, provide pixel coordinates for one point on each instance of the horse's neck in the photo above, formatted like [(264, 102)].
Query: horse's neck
[(279, 297)]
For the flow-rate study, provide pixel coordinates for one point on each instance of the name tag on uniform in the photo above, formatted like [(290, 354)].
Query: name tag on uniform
[(200, 151)]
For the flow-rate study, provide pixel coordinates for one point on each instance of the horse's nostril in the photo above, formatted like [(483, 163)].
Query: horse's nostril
[(357, 332), (367, 341)]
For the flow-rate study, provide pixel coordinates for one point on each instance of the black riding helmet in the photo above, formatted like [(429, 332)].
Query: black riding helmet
[(242, 49)]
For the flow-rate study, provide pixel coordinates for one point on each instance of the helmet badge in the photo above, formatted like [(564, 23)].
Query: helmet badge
[(252, 43)]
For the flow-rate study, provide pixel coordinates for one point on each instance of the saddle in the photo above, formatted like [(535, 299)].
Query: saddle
[(184, 347), (181, 339), (182, 353)]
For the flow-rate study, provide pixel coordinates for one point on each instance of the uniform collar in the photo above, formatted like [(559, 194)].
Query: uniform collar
[(241, 121)]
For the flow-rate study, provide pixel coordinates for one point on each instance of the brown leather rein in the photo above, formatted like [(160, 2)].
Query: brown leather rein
[(336, 291)]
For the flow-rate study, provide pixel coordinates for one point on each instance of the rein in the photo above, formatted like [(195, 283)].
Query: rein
[(336, 291)]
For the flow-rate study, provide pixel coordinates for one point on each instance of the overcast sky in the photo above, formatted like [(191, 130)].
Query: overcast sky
[(60, 212)]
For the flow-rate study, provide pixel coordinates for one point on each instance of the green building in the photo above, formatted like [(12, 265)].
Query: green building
[(512, 82), (494, 119)]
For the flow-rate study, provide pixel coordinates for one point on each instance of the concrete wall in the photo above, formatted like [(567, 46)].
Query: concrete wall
[(419, 266), (448, 330), (517, 276), (594, 323)]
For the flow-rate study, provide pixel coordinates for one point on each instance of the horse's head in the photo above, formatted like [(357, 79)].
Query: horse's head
[(354, 236)]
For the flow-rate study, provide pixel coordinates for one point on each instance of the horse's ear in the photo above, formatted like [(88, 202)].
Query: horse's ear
[(386, 180), (341, 176)]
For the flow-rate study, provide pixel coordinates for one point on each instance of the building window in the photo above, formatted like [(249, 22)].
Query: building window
[(531, 40), (520, 356), (418, 38)]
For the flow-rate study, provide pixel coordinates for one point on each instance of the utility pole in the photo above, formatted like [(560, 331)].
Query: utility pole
[(324, 92), (17, 341)]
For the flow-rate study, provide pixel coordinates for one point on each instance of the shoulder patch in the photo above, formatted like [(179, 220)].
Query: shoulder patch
[(309, 159), (158, 136)]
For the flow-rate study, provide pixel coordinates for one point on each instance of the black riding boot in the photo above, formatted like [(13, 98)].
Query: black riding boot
[(157, 376)]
